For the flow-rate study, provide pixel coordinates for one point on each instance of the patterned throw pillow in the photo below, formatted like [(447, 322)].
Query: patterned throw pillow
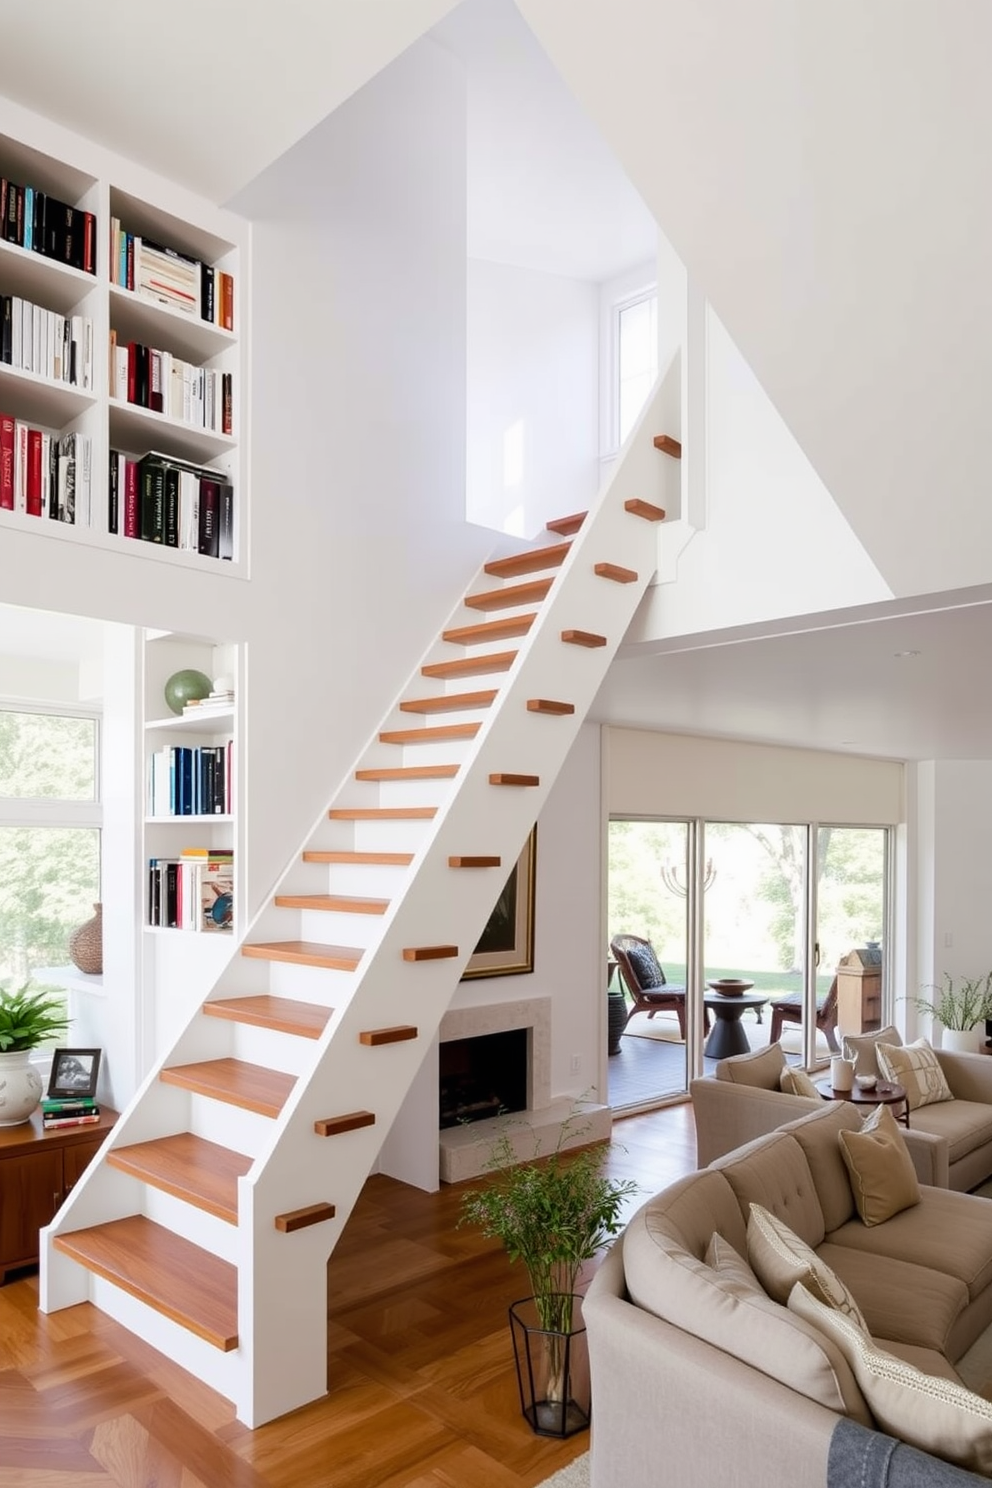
[(795, 1081), (881, 1170), (917, 1069), (645, 966), (779, 1259)]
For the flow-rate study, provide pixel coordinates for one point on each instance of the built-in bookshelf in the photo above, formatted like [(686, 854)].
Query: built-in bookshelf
[(121, 337)]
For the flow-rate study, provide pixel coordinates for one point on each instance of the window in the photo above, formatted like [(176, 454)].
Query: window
[(636, 359), (50, 821)]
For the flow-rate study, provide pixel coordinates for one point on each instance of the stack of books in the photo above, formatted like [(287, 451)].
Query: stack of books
[(220, 700), (70, 1111)]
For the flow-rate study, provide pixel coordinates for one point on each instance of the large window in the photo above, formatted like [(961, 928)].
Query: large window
[(49, 836)]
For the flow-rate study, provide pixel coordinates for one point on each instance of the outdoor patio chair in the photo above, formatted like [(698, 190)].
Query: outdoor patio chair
[(789, 1009), (643, 977)]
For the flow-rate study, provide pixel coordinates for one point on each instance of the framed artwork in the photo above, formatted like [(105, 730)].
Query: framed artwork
[(506, 946), (74, 1073)]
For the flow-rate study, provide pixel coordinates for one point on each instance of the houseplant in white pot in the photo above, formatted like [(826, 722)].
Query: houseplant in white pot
[(27, 1020), (553, 1214), (960, 1008)]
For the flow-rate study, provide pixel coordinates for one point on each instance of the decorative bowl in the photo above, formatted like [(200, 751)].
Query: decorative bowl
[(866, 1082), (730, 986)]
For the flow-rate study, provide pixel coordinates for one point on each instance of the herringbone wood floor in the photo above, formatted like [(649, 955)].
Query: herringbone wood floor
[(422, 1387)]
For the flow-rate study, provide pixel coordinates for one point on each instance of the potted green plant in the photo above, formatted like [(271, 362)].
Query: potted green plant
[(961, 1009), (27, 1020), (553, 1214)]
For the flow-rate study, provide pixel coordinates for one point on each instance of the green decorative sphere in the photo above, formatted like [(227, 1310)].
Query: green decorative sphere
[(185, 687)]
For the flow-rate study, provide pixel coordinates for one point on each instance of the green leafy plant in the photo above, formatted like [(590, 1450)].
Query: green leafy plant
[(960, 1006), (28, 1019)]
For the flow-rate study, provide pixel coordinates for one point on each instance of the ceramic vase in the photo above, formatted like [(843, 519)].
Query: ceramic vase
[(962, 1040), (86, 943), (20, 1087)]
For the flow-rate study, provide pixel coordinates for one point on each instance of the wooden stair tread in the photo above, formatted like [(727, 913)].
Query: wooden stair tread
[(615, 572), (188, 1167), (358, 859), (668, 445), (645, 509), (473, 860), (382, 813), (178, 1279), (252, 1087), (549, 705), (284, 1014), (333, 903), (503, 629), (409, 772), (567, 526), (449, 702), (504, 777), (429, 953), (336, 1126), (469, 666), (529, 562), (513, 594), (375, 1037), (305, 953), (583, 638), (430, 734)]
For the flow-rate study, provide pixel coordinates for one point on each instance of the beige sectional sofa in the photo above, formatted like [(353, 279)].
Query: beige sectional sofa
[(950, 1142), (699, 1385)]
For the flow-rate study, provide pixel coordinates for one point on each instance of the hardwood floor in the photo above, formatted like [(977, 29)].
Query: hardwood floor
[(422, 1393)]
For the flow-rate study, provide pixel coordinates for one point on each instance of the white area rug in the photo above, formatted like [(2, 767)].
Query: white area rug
[(575, 1475)]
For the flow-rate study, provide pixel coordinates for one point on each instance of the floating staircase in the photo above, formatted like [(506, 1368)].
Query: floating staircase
[(206, 1223)]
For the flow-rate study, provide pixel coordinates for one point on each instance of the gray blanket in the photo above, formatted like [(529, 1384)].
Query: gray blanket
[(860, 1458)]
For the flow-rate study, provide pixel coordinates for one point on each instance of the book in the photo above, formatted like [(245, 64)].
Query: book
[(51, 1123), (217, 894), (73, 1105), (6, 462)]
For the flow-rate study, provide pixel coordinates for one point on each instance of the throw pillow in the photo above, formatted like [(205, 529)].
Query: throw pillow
[(780, 1259), (883, 1178), (797, 1082), (645, 966), (917, 1068), (732, 1269), (928, 1412), (864, 1047)]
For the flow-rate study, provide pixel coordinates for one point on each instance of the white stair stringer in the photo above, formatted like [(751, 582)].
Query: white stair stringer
[(276, 1360)]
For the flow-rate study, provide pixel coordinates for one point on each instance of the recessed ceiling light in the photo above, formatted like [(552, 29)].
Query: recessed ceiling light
[(898, 654)]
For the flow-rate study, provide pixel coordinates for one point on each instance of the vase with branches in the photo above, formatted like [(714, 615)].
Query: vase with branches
[(958, 1006)]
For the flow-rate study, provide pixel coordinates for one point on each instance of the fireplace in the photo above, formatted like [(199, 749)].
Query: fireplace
[(482, 1077)]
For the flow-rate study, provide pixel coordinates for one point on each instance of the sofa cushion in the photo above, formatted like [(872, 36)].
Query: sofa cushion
[(883, 1179), (817, 1135), (917, 1068), (666, 1279), (773, 1171), (882, 1287), (927, 1411), (945, 1232), (864, 1048), (966, 1124), (780, 1259), (795, 1081), (762, 1068)]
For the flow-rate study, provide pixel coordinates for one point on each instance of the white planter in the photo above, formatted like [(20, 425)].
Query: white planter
[(962, 1040), (20, 1087)]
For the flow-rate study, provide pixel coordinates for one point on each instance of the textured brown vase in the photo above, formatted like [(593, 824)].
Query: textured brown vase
[(86, 943)]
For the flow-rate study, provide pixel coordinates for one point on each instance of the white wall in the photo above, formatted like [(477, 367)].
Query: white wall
[(533, 384)]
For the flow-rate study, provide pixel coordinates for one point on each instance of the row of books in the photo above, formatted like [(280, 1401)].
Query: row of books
[(69, 1111), (150, 378), (44, 474), (33, 219), (191, 780), (172, 278), (33, 339), (192, 892), (163, 499)]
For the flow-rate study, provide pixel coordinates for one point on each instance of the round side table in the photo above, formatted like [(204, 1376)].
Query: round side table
[(885, 1093)]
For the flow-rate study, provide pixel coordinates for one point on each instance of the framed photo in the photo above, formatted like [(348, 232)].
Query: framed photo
[(506, 947), (74, 1072)]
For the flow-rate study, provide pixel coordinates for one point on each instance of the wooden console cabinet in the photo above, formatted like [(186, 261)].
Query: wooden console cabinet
[(37, 1169), (859, 991)]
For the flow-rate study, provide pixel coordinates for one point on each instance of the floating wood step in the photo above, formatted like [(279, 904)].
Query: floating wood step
[(178, 1279), (449, 702), (645, 509), (502, 778), (283, 1014), (549, 705), (583, 638), (333, 903), (360, 859), (198, 1172), (471, 666), (474, 862), (431, 734), (301, 1219), (429, 953), (513, 594), (668, 445), (251, 1087), (567, 526), (615, 572), (409, 772), (335, 1126), (530, 562), (502, 629), (376, 1036), (305, 953), (382, 813)]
